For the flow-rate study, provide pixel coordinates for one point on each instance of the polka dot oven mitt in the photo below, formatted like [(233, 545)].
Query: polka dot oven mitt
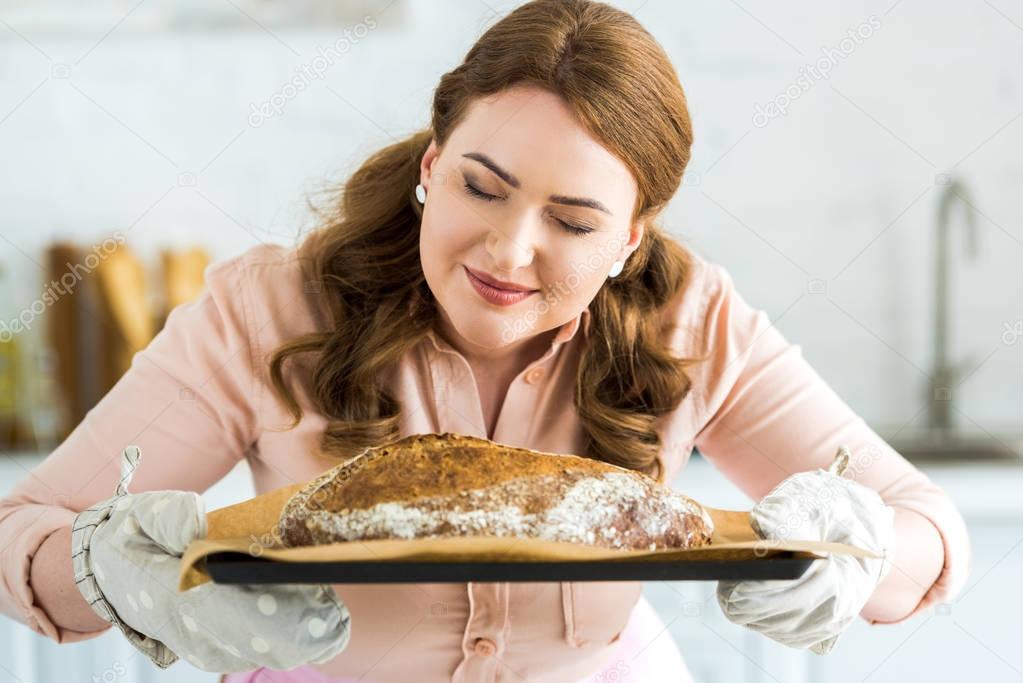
[(126, 552), (815, 609)]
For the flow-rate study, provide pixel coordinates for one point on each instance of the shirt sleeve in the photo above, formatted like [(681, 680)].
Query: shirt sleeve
[(188, 400), (764, 414)]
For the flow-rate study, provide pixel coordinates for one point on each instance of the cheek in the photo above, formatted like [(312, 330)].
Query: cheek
[(578, 272), (449, 225), (446, 241)]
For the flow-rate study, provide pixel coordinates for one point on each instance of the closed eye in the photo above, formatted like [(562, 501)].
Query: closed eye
[(479, 193), (569, 227)]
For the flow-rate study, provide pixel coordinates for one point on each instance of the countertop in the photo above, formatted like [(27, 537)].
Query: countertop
[(981, 489)]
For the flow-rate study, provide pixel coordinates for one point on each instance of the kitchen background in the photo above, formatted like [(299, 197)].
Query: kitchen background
[(857, 169)]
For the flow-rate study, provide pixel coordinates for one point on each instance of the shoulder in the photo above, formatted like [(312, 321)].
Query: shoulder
[(259, 261), (689, 317), (269, 286)]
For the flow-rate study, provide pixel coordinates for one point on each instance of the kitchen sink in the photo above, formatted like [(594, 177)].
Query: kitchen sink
[(956, 447)]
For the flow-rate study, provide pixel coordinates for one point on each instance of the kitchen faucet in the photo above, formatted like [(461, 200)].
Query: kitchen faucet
[(944, 373), (941, 439)]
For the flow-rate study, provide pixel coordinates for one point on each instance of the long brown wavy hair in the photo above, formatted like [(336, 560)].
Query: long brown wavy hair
[(364, 255)]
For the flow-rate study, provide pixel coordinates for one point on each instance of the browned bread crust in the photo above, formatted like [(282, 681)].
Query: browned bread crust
[(432, 485)]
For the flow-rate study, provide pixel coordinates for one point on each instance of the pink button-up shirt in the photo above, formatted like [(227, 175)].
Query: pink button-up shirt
[(196, 401)]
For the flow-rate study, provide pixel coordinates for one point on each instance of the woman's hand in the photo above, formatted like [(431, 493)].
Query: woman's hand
[(813, 610), (126, 553)]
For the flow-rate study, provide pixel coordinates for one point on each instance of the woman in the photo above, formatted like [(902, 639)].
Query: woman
[(499, 274)]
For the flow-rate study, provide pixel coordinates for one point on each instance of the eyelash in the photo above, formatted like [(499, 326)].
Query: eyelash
[(569, 227)]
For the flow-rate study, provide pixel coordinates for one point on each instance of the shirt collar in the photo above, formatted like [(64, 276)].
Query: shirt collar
[(568, 331)]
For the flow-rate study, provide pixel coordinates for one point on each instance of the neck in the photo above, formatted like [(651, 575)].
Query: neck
[(511, 358)]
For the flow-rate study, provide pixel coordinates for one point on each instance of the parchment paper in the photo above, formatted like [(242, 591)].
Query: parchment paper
[(250, 528)]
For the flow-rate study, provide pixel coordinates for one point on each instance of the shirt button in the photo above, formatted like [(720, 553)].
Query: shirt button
[(535, 375), (485, 647)]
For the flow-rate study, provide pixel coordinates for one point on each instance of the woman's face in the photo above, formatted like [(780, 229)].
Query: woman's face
[(522, 194)]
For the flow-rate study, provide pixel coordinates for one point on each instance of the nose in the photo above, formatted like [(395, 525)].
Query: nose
[(512, 246)]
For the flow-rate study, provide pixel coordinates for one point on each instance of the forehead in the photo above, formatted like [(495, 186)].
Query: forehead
[(534, 135)]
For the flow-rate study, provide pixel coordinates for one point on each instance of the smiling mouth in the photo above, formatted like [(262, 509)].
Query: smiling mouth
[(494, 295), (494, 284)]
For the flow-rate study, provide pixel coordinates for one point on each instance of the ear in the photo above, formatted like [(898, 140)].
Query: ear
[(426, 164), (635, 237)]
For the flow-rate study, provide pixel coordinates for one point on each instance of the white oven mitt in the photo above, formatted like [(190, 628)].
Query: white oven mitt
[(126, 552), (813, 610)]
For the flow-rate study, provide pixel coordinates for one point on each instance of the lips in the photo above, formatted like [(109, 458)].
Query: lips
[(499, 284), (494, 295)]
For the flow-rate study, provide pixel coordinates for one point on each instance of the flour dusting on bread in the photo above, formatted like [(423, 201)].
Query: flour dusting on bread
[(438, 485)]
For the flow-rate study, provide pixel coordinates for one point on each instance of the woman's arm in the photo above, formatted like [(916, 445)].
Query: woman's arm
[(909, 580), (764, 414), (53, 583), (188, 401)]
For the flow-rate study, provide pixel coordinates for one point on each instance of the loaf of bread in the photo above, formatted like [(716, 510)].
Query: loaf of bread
[(437, 485)]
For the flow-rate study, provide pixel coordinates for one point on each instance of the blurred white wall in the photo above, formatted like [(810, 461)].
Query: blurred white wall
[(105, 130)]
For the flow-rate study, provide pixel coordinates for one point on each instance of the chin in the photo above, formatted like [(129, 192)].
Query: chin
[(484, 329)]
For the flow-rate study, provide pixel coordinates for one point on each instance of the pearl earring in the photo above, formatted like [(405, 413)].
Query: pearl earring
[(616, 269), (421, 193)]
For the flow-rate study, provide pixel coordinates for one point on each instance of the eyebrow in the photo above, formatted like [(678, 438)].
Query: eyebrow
[(507, 177)]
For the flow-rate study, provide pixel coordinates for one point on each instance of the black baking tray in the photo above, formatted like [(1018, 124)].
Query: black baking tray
[(239, 568)]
